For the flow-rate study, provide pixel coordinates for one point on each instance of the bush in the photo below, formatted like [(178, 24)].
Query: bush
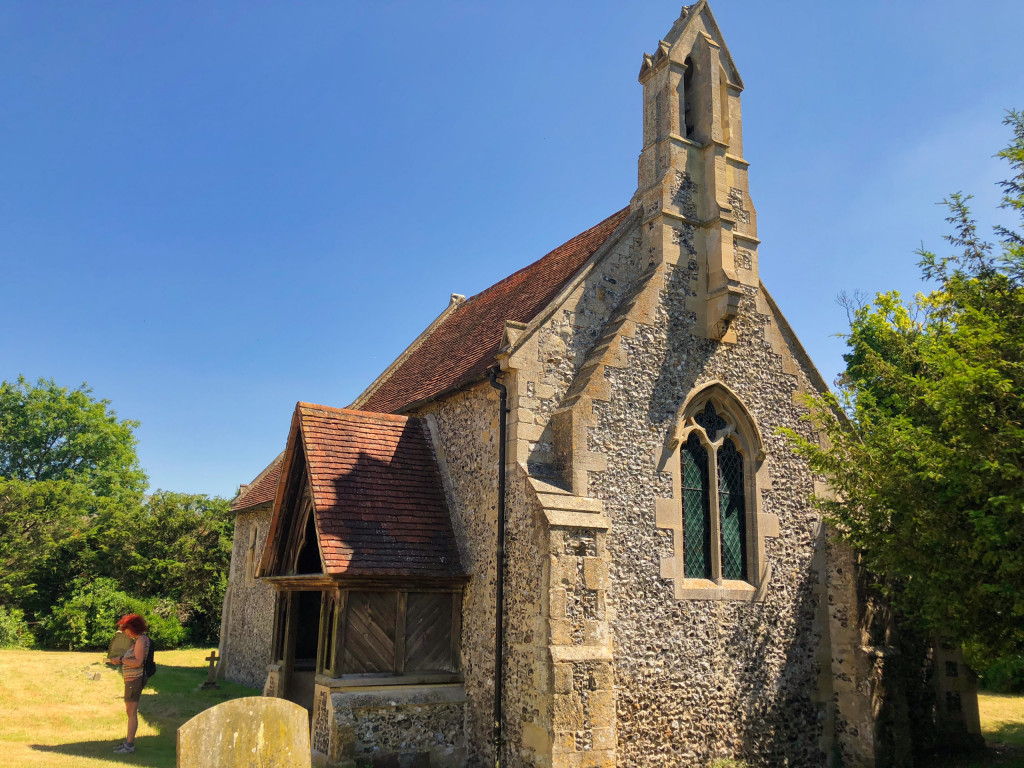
[(88, 618), (1004, 675), (14, 632)]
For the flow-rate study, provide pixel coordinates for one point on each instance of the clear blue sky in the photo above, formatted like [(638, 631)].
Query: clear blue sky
[(209, 211)]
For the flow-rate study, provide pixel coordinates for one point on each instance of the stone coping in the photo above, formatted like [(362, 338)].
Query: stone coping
[(388, 681), (399, 696)]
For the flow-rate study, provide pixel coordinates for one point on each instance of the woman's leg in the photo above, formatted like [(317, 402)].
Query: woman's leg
[(132, 708)]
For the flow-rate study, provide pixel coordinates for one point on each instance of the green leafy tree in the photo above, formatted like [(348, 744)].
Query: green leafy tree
[(79, 541), (37, 519), (176, 546), (87, 618), (65, 459), (14, 632), (49, 432), (927, 462)]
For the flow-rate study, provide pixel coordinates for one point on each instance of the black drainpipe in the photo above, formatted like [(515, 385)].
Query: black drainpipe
[(499, 614)]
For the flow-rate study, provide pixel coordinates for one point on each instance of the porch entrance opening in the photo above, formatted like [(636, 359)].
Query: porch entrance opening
[(307, 632)]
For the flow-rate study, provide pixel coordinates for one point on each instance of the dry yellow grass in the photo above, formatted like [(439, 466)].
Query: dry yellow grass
[(1002, 718), (53, 713)]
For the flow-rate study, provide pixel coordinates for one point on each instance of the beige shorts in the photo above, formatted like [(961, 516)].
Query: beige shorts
[(133, 688)]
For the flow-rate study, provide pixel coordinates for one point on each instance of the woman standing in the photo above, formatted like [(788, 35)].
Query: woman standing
[(132, 663)]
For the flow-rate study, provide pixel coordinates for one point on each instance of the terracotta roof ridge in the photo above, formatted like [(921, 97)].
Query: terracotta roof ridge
[(353, 412), (238, 503), (568, 243), (454, 302), (457, 350)]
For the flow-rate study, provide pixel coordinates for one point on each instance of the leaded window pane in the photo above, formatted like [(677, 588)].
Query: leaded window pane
[(730, 499), (696, 510)]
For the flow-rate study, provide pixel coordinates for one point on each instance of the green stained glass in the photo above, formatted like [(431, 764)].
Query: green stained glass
[(696, 510), (730, 499)]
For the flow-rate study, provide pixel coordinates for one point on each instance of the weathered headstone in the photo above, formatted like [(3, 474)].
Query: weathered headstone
[(254, 732), (119, 645)]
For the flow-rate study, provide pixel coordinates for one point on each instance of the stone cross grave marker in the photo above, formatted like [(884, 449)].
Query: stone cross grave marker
[(254, 732), (211, 673)]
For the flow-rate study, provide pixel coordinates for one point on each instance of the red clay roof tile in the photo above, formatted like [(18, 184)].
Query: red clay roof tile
[(380, 507), (463, 345), (262, 489)]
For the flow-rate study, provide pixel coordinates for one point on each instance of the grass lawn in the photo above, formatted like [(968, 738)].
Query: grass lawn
[(1002, 725), (52, 713)]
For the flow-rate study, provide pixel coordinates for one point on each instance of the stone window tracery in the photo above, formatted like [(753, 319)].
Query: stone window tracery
[(715, 453)]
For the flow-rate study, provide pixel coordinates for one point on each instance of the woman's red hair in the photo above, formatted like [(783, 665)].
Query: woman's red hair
[(134, 622)]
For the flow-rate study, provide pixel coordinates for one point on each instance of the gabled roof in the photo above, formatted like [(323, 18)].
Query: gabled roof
[(262, 489), (697, 15), (378, 502), (462, 344)]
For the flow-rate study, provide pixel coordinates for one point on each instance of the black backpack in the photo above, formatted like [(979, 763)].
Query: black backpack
[(149, 666)]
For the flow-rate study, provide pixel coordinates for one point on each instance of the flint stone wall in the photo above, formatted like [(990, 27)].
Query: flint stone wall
[(698, 680), (406, 727), (527, 681), (247, 627), (465, 430)]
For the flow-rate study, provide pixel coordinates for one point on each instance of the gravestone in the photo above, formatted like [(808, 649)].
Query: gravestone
[(254, 732), (119, 645), (211, 675)]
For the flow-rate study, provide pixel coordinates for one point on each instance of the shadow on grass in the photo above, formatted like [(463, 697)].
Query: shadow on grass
[(171, 698), (1007, 733), (150, 751), (991, 756)]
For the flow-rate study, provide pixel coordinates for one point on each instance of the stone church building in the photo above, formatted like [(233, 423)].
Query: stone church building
[(669, 595)]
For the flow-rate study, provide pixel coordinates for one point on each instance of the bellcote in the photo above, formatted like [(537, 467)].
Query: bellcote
[(691, 170)]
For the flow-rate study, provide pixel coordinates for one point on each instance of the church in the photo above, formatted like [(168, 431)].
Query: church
[(563, 529)]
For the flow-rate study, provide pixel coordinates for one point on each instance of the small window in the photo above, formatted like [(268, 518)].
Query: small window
[(689, 99), (952, 669), (953, 702), (250, 557)]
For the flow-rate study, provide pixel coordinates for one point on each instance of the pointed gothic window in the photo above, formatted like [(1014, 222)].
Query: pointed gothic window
[(719, 450), (689, 99)]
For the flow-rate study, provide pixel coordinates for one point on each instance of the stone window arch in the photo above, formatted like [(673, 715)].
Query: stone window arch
[(691, 103), (715, 455)]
